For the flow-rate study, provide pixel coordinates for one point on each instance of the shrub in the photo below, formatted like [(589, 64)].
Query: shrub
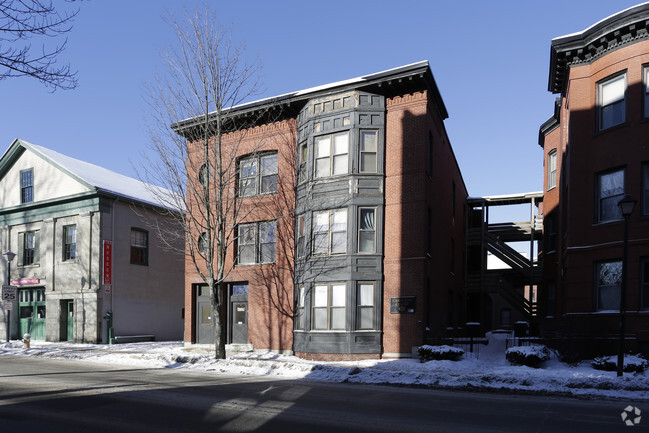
[(531, 356), (632, 363), (440, 353)]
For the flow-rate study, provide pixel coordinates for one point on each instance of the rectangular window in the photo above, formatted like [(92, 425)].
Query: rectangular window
[(69, 242), (139, 247), (256, 243), (368, 149), (429, 168), (331, 152), (301, 236), (28, 248), (644, 283), (366, 230), (299, 308), (329, 307), (27, 186), (365, 306), (552, 169), (258, 175), (609, 275), (645, 189), (610, 190), (330, 232), (645, 77), (302, 158), (612, 104)]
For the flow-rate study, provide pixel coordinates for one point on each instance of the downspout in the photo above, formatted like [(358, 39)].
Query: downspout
[(111, 329)]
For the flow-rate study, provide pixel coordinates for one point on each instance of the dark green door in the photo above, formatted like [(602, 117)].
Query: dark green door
[(31, 307), (70, 316)]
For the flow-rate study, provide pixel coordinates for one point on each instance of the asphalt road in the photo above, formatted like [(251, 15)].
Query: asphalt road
[(50, 396)]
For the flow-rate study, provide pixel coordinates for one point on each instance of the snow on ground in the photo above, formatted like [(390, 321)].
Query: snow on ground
[(490, 371)]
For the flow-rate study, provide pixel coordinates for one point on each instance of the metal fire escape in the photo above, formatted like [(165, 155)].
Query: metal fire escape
[(516, 282)]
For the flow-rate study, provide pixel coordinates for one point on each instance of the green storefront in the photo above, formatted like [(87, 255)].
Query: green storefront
[(31, 309)]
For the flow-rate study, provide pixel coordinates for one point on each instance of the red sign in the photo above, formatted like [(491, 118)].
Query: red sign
[(25, 281), (108, 262)]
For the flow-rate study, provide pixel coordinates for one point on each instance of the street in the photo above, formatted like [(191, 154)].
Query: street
[(63, 396)]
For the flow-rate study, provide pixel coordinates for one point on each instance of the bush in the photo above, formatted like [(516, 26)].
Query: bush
[(531, 356), (440, 353), (632, 363)]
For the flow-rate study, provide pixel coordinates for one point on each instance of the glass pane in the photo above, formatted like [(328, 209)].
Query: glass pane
[(268, 253), (248, 187), (365, 318), (206, 315), (339, 220), (340, 164), (301, 297), (268, 233), (322, 167), (337, 318), (609, 273), (249, 168), (367, 219), (269, 184), (366, 294), (269, 165), (247, 234), (320, 296), (341, 143), (319, 318), (246, 254), (338, 296), (366, 242), (368, 141), (368, 162), (612, 184), (321, 222), (323, 146), (613, 115), (613, 90), (338, 242), (320, 243), (609, 298), (609, 210), (240, 289)]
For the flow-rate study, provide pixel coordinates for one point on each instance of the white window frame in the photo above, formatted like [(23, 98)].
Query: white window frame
[(326, 228), (329, 304), (365, 151), (552, 169), (329, 158)]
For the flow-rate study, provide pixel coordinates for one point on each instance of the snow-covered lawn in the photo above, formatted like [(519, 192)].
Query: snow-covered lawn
[(490, 371)]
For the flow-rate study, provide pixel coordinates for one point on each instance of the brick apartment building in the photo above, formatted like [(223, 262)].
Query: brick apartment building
[(595, 152), (357, 250)]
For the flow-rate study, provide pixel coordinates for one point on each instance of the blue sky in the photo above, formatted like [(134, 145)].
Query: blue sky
[(490, 61)]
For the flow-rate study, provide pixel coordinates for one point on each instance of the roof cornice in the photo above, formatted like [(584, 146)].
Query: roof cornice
[(392, 82), (619, 30)]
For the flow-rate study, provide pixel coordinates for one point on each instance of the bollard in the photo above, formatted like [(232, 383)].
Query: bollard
[(26, 339)]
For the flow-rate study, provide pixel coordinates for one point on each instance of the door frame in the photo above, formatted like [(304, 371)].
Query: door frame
[(237, 294)]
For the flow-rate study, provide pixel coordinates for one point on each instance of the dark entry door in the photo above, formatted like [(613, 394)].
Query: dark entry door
[(70, 316), (239, 313), (239, 322), (204, 320)]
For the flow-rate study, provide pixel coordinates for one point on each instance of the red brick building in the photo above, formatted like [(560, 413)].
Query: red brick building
[(595, 152), (364, 228)]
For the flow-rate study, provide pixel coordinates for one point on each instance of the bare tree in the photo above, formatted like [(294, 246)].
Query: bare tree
[(22, 20), (205, 76)]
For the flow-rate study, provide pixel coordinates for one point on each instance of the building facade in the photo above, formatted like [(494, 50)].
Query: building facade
[(87, 268), (596, 152), (368, 239)]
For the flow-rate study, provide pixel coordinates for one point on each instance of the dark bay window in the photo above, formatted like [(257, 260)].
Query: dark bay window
[(365, 306), (256, 243), (258, 175), (610, 190), (368, 147), (27, 186), (367, 230), (139, 247), (329, 302), (612, 102)]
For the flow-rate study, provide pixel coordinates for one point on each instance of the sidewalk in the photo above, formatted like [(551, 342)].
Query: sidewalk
[(490, 372)]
